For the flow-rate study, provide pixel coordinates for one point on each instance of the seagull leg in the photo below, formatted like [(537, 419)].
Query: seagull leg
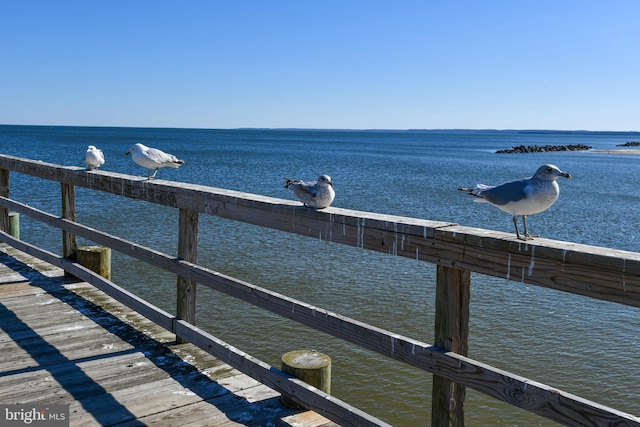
[(526, 233), (154, 174), (515, 223)]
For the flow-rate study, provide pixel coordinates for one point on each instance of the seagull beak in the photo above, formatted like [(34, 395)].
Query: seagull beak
[(127, 153), (566, 175)]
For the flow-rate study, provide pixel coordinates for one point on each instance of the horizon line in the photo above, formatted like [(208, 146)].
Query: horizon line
[(333, 129)]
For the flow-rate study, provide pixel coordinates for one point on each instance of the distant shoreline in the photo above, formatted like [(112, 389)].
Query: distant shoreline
[(616, 151), (364, 129)]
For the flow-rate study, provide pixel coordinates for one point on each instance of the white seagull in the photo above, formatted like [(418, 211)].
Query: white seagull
[(522, 197), (152, 158), (317, 194), (93, 158)]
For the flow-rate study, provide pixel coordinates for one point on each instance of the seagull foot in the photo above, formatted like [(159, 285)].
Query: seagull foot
[(527, 236)]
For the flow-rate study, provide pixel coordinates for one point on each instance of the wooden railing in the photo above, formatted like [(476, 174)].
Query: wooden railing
[(595, 272)]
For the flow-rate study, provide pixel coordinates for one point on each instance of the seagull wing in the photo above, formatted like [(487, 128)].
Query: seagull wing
[(161, 157), (308, 188), (306, 192), (502, 194)]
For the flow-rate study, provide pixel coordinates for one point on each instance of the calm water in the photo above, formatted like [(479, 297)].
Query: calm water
[(583, 346)]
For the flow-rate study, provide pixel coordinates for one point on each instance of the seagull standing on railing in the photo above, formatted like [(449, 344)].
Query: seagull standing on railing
[(522, 197), (316, 194), (93, 158), (152, 158)]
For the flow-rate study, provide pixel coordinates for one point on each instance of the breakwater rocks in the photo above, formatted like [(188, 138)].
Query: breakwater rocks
[(544, 148), (629, 144)]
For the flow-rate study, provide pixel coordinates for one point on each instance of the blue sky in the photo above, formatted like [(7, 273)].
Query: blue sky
[(543, 64)]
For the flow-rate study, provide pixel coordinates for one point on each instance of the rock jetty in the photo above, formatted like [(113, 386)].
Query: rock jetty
[(544, 148), (629, 144)]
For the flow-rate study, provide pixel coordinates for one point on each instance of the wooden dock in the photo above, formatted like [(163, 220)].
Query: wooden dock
[(184, 384), (65, 342)]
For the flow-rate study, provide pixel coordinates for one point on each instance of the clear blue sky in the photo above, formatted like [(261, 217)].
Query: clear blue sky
[(538, 64)]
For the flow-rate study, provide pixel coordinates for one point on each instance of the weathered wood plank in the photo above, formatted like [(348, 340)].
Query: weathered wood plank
[(453, 289), (225, 411), (64, 382), (14, 288), (68, 213), (309, 419), (62, 342), (188, 251), (4, 192), (132, 301), (143, 400), (105, 383), (602, 273)]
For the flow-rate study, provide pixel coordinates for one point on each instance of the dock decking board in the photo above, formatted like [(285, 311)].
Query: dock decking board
[(65, 342)]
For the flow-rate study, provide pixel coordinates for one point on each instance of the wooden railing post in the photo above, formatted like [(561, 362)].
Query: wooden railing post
[(188, 251), (4, 192), (451, 333), (69, 244)]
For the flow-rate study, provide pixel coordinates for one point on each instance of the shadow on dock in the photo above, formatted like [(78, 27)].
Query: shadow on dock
[(115, 377)]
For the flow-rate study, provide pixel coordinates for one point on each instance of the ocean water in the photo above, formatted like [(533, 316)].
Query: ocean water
[(582, 346)]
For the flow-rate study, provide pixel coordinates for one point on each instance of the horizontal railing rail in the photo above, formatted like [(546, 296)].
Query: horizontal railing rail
[(596, 272), (602, 273)]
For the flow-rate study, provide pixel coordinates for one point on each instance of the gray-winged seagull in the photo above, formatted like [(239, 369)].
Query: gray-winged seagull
[(152, 158), (522, 197), (316, 194)]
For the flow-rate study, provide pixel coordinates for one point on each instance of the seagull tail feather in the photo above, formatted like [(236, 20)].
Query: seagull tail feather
[(288, 182)]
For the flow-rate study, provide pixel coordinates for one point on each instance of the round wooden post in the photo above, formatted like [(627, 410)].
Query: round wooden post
[(14, 224), (96, 259), (309, 366)]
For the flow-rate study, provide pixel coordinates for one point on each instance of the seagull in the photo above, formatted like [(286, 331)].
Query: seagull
[(152, 158), (522, 197), (93, 158), (316, 194)]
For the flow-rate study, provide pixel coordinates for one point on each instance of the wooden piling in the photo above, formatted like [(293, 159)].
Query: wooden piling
[(451, 333), (96, 259), (188, 251), (4, 192), (309, 366), (69, 245), (14, 225), (68, 212)]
